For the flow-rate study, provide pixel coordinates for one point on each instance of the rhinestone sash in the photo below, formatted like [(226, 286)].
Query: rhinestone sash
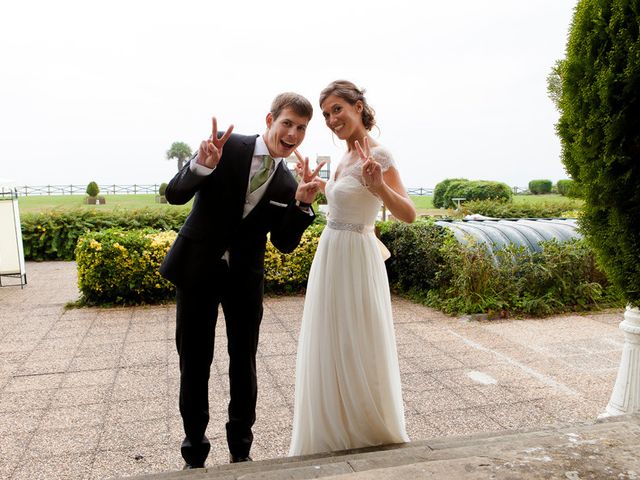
[(352, 227)]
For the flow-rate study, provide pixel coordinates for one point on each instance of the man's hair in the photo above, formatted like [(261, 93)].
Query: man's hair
[(300, 105)]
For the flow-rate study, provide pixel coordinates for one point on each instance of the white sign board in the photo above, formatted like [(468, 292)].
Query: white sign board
[(11, 250)]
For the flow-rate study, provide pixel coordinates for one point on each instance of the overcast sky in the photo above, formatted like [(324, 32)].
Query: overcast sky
[(100, 90)]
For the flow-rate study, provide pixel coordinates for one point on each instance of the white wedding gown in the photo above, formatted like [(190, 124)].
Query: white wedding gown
[(348, 392)]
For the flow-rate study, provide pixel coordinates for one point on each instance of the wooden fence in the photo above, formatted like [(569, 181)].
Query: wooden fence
[(134, 189)]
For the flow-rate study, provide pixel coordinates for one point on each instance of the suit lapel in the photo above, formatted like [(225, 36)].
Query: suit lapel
[(242, 167)]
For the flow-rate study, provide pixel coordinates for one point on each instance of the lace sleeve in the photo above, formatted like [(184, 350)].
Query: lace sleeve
[(383, 157)]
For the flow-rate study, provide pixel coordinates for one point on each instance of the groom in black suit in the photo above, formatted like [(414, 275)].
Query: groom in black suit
[(243, 191)]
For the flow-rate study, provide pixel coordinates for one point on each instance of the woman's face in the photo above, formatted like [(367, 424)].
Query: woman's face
[(342, 118)]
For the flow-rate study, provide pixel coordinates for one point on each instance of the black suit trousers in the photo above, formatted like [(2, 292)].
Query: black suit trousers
[(240, 294)]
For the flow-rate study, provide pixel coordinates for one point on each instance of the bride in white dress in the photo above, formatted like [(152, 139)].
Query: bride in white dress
[(348, 392)]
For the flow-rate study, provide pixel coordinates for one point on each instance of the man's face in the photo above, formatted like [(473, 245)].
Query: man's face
[(285, 133)]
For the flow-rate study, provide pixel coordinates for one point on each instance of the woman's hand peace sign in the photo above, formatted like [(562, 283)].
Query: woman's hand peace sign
[(211, 150), (371, 170)]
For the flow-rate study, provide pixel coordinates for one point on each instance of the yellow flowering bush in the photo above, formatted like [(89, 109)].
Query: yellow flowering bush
[(288, 272), (122, 266)]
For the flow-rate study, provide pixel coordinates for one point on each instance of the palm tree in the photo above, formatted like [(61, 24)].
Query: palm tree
[(180, 151)]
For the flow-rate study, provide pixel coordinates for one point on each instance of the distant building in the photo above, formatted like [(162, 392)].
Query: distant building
[(324, 173)]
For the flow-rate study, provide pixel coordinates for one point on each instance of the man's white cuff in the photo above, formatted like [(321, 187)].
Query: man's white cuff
[(198, 169)]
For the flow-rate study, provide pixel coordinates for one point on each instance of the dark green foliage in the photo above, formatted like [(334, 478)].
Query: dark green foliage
[(563, 277), (538, 187), (416, 257), (92, 189), (438, 192), (600, 132), (53, 235), (474, 190), (429, 265), (162, 189), (502, 209)]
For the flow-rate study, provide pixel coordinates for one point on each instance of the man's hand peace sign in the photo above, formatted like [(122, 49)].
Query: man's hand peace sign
[(211, 150)]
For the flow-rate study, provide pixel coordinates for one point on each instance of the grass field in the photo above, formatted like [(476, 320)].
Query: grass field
[(37, 203)]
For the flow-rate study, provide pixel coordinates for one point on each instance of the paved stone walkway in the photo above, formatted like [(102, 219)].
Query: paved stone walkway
[(92, 393)]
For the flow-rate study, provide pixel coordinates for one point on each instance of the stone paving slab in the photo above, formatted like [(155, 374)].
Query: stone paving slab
[(92, 393)]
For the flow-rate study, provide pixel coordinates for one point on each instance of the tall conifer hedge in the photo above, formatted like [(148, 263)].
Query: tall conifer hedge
[(600, 132)]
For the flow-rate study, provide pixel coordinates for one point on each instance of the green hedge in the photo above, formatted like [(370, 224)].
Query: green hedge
[(427, 265), (448, 189), (288, 272), (53, 235), (439, 200), (539, 187), (497, 209), (121, 267)]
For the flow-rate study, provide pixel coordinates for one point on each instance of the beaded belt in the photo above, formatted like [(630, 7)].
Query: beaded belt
[(352, 227)]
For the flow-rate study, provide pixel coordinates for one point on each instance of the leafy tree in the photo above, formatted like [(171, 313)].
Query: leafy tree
[(599, 128), (92, 189), (180, 151), (554, 84)]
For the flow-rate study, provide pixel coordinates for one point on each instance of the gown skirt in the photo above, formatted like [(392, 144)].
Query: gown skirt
[(348, 390)]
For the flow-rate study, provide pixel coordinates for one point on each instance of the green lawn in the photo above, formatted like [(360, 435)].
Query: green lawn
[(535, 199), (37, 203), (422, 202)]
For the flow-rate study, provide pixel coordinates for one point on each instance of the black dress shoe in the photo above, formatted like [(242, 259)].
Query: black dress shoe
[(188, 466), (235, 459)]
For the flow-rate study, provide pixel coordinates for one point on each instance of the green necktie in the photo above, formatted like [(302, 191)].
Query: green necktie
[(261, 175)]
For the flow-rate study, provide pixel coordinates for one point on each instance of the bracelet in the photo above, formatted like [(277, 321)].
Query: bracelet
[(302, 204)]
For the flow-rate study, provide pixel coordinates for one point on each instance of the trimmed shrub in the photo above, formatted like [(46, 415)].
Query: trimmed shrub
[(118, 267), (501, 209), (540, 187), (92, 189), (287, 273), (53, 235), (121, 267), (564, 186), (162, 189), (476, 190), (416, 258), (440, 189)]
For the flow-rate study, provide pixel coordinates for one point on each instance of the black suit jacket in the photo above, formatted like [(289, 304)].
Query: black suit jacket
[(215, 224)]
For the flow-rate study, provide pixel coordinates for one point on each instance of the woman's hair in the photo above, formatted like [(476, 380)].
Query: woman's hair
[(351, 94)]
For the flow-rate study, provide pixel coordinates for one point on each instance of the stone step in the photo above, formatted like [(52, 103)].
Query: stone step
[(602, 449)]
